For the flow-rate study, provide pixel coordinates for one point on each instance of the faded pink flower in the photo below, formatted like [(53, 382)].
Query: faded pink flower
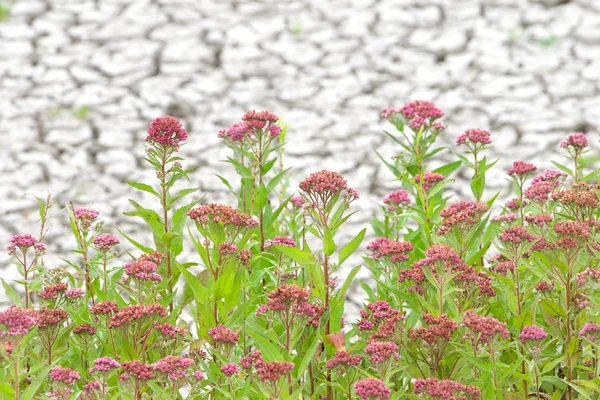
[(577, 141), (105, 241)]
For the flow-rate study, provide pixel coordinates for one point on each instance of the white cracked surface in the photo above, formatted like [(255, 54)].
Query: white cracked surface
[(525, 70)]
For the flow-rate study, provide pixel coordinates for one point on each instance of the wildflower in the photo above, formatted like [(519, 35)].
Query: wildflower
[(86, 216), (227, 248), (420, 108), (223, 334), (272, 371), (18, 321), (474, 137), (64, 375), (90, 389), (439, 329), (244, 256), (155, 257), (515, 204), (576, 141), (297, 201), (52, 292), (521, 169), (324, 183), (251, 359), (22, 242), (130, 314), (343, 359), (371, 389), (590, 332), (516, 235), (175, 367), (86, 329), (445, 389), (237, 132), (396, 200), (391, 250), (142, 270), (230, 369), (220, 214), (51, 317), (545, 286), (274, 131), (169, 330), (138, 370), (381, 320), (501, 265), (462, 216), (281, 241), (539, 220), (74, 293), (104, 364), (579, 196), (381, 352), (553, 176), (198, 375), (508, 217), (539, 192), (105, 242), (429, 179), (166, 131), (532, 333), (484, 329), (104, 308), (485, 285)]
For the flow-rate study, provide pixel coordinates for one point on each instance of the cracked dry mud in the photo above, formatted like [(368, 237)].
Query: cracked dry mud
[(82, 79)]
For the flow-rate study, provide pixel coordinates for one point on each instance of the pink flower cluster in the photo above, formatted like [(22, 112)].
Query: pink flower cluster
[(372, 389), (74, 293), (389, 249), (169, 330), (174, 367), (221, 214), (86, 216), (22, 242), (380, 319), (253, 123), (104, 308), (52, 292), (138, 370), (104, 364), (396, 200), (297, 201), (105, 241), (532, 333), (18, 321), (508, 217), (166, 131), (462, 215), (521, 169), (86, 329), (438, 329), (230, 369), (516, 235), (474, 136), (325, 183), (272, 371), (51, 317), (484, 329), (142, 270), (281, 241), (445, 389), (576, 141), (131, 314), (429, 179), (65, 376), (223, 334), (343, 359), (381, 352), (590, 332)]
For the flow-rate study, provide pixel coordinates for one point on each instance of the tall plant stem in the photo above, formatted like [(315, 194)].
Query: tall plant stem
[(26, 283), (166, 226), (17, 386), (568, 337)]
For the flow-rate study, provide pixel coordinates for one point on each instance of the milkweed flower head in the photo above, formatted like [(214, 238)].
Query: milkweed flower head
[(104, 308), (105, 242), (17, 321), (532, 336), (84, 329), (380, 320), (462, 215), (396, 200), (590, 331), (86, 217), (343, 359), (230, 369), (24, 243), (281, 241), (429, 179), (438, 329), (521, 170), (484, 329), (381, 352), (372, 389), (322, 187), (138, 370), (575, 142), (222, 334), (391, 250), (53, 292), (446, 389), (253, 126), (51, 317), (66, 376), (474, 138), (136, 313), (173, 367), (272, 371), (166, 131), (212, 215), (141, 270), (104, 365)]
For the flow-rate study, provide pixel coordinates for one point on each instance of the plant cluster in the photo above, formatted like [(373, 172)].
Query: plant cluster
[(469, 299)]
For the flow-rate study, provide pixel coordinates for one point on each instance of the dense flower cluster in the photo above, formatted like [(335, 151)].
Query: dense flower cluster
[(281, 241), (230, 369), (18, 321), (272, 371), (221, 214), (52, 292), (174, 367), (223, 334), (85, 329), (521, 169), (576, 141), (138, 370), (484, 329), (326, 184), (86, 217), (50, 317), (445, 389), (142, 270), (381, 320), (166, 131), (343, 359), (462, 215), (429, 179), (169, 330), (590, 332), (253, 123), (532, 333), (372, 389), (130, 314), (474, 136), (104, 364), (438, 329), (391, 250), (381, 352), (396, 200), (104, 308), (105, 241)]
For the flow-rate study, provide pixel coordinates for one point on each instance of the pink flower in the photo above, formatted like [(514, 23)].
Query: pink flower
[(272, 371), (142, 270), (104, 364), (396, 199), (462, 216), (297, 201), (22, 242), (590, 332), (576, 141), (429, 179), (138, 370), (474, 136), (105, 241), (175, 367), (221, 214), (516, 234), (230, 369), (344, 359), (420, 108), (169, 330), (84, 329), (130, 314), (484, 329), (381, 352), (545, 286), (281, 241), (18, 321), (86, 217), (532, 333), (64, 375), (223, 334), (371, 389), (521, 169), (251, 359), (391, 250), (439, 329), (509, 217), (104, 308), (166, 131), (274, 130), (445, 389), (324, 182), (74, 293), (52, 292)]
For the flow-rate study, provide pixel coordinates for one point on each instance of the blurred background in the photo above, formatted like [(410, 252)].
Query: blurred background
[(80, 81)]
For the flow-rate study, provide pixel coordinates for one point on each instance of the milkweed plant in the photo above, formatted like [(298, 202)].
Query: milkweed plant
[(469, 298)]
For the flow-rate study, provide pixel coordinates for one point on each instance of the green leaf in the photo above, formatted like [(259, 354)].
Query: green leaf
[(563, 168), (477, 186), (11, 293), (351, 247), (33, 387), (301, 257), (328, 243), (308, 357), (136, 244), (143, 187), (448, 169), (552, 308)]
